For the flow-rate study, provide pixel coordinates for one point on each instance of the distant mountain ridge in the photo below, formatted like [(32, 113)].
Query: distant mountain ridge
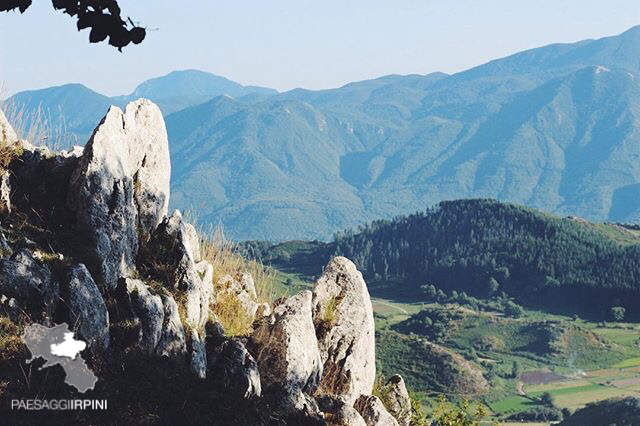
[(78, 108), (556, 128), (181, 89)]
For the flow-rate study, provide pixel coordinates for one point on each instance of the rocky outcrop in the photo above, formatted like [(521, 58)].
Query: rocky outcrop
[(175, 243), (373, 411), (5, 192), (198, 360), (397, 400), (161, 330), (147, 309), (343, 318), (242, 289), (120, 187), (286, 348), (87, 310), (305, 360), (173, 342), (7, 134), (338, 413), (25, 279), (237, 371)]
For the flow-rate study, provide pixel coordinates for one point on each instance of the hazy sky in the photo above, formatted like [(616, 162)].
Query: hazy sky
[(295, 43)]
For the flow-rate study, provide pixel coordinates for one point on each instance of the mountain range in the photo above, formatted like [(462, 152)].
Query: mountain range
[(556, 128)]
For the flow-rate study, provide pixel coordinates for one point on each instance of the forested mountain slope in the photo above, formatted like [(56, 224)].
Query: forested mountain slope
[(554, 128), (542, 260)]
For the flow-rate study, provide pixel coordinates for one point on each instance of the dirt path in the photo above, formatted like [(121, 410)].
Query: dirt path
[(401, 310)]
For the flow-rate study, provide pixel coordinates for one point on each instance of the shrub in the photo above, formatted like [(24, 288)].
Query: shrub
[(537, 414), (448, 414)]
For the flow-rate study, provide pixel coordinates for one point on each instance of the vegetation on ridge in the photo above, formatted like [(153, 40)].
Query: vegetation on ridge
[(486, 248)]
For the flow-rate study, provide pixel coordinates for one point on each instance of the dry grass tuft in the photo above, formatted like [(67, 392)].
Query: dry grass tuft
[(225, 259), (232, 315), (223, 255), (37, 126)]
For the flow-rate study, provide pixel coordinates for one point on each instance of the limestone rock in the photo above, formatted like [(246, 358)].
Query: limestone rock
[(198, 356), (7, 134), (5, 192), (173, 342), (248, 285), (40, 184), (286, 348), (264, 310), (11, 308), (237, 371), (343, 318), (5, 247), (22, 277), (179, 240), (86, 307), (149, 311), (398, 400), (243, 290), (193, 240), (338, 413), (373, 412), (198, 285), (120, 187), (175, 243)]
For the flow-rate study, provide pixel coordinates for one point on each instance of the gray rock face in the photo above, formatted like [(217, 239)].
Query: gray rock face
[(161, 330), (180, 239), (22, 277), (40, 182), (373, 412), (337, 413), (200, 294), (149, 311), (5, 192), (5, 247), (198, 356), (286, 348), (87, 308), (237, 371), (398, 400), (243, 290), (173, 342), (120, 187), (176, 243), (7, 134), (343, 318)]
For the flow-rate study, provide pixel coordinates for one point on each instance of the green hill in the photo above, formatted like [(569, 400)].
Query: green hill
[(484, 248)]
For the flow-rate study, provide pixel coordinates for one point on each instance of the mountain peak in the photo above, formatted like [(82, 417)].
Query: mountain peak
[(183, 88)]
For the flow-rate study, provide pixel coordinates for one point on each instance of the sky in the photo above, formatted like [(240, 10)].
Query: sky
[(286, 44)]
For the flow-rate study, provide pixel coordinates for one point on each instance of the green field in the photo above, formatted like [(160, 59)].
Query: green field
[(598, 360), (631, 362)]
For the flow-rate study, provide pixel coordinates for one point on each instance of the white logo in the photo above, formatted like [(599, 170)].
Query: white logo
[(70, 348)]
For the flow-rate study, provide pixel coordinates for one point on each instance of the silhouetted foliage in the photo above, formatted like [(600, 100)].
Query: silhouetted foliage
[(102, 16)]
